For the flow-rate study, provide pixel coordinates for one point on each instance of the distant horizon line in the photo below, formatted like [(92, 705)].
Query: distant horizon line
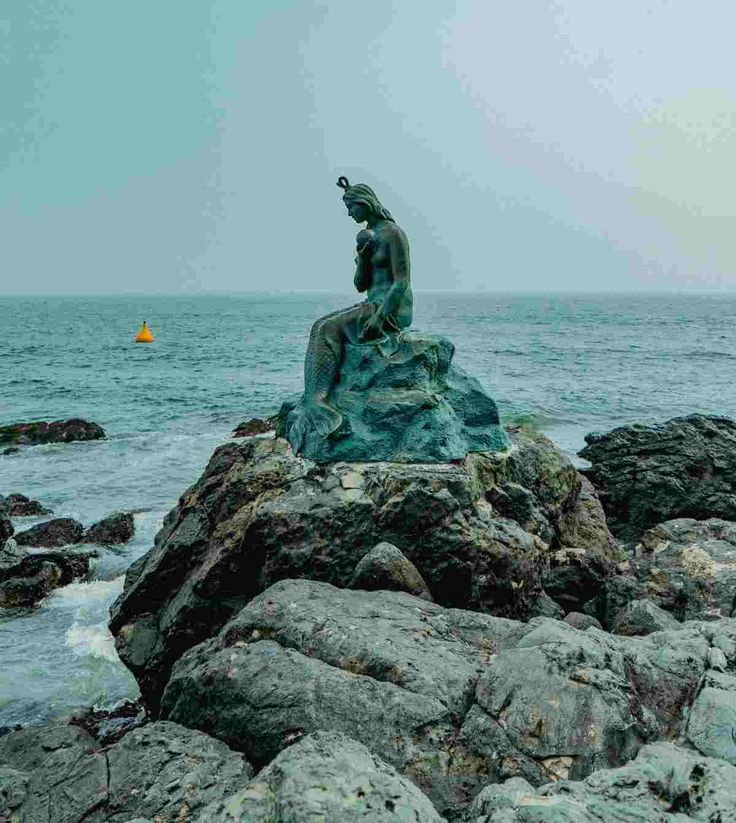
[(721, 290)]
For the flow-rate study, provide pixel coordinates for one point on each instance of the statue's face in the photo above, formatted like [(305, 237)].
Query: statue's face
[(358, 211)]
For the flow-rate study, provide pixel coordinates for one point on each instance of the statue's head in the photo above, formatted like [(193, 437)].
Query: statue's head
[(361, 202)]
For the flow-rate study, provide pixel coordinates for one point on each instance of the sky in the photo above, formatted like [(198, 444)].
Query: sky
[(162, 146)]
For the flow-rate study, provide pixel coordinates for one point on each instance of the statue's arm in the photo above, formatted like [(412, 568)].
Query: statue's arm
[(398, 247), (362, 279)]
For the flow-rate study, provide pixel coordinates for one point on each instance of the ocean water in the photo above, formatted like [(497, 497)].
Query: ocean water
[(568, 364)]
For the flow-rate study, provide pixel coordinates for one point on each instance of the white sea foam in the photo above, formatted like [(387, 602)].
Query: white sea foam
[(86, 594), (92, 640)]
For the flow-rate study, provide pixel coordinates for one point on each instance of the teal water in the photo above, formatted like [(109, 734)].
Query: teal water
[(568, 364)]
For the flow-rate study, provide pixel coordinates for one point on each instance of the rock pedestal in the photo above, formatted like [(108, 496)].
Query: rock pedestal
[(401, 401)]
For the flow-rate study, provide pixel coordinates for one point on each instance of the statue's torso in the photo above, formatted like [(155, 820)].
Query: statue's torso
[(382, 280)]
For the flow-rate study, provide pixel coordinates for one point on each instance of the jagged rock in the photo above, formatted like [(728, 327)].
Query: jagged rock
[(254, 426), (689, 567), (648, 474), (160, 771), (115, 529), (21, 506), (711, 725), (584, 525), (641, 617), (575, 576), (581, 621), (61, 431), (665, 783), (6, 529), (26, 583), (402, 402), (325, 777), (452, 699), (259, 514), (385, 567), (545, 606), (61, 531), (11, 556)]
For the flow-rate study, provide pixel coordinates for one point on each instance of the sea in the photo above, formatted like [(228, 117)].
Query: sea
[(566, 364)]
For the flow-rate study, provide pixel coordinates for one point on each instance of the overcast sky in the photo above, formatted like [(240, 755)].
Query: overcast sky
[(184, 146)]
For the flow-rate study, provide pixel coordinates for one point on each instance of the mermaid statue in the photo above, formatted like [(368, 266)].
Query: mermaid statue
[(382, 272)]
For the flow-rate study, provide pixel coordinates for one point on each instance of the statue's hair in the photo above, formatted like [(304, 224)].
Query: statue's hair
[(360, 193)]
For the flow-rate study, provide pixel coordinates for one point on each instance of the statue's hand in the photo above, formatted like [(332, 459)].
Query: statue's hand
[(373, 328)]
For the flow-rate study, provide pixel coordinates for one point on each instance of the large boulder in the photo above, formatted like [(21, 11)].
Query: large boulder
[(60, 431), (112, 530), (402, 401), (451, 699), (61, 531), (641, 617), (665, 783), (60, 774), (326, 777), (689, 567), (648, 474), (260, 514)]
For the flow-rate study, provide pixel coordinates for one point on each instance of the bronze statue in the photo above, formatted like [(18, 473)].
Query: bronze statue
[(382, 271)]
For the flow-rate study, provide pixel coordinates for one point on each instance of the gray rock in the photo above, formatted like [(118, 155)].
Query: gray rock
[(21, 506), (688, 567), (402, 402), (545, 606), (664, 784), (64, 776), (325, 777), (61, 531), (582, 621), (6, 528), (584, 525), (385, 567), (711, 726), (60, 431), (58, 773), (575, 576), (642, 617), (648, 474), (11, 556), (112, 530), (259, 514), (452, 699)]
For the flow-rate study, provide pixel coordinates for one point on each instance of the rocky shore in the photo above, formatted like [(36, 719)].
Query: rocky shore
[(498, 638)]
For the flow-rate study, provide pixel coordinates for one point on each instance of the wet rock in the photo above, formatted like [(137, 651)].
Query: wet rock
[(11, 556), (259, 514), (582, 621), (26, 583), (115, 529), (648, 474), (403, 401), (6, 528), (452, 699), (385, 567), (61, 531), (328, 777), (641, 617), (109, 726), (60, 431), (711, 725), (664, 783), (21, 506), (254, 426), (688, 567), (161, 771)]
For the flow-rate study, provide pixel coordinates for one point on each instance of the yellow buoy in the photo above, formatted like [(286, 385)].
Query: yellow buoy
[(144, 335)]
